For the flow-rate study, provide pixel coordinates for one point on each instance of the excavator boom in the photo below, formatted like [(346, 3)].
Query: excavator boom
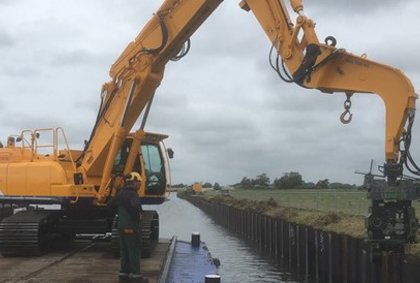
[(135, 76), (324, 67)]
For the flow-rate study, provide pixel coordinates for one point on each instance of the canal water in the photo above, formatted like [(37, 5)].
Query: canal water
[(240, 262)]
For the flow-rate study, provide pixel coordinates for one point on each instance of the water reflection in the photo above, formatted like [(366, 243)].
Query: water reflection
[(239, 261)]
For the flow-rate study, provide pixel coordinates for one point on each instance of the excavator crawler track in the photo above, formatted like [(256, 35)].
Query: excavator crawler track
[(149, 233), (26, 232), (5, 210)]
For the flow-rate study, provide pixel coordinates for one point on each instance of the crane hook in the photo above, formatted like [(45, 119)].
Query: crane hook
[(345, 118)]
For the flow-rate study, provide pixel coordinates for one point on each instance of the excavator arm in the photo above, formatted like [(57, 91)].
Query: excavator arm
[(134, 79), (322, 66)]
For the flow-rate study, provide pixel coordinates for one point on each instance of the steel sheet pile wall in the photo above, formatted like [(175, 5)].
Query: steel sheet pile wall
[(318, 255)]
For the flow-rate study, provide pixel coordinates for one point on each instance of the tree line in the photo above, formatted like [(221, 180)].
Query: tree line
[(290, 180), (215, 186)]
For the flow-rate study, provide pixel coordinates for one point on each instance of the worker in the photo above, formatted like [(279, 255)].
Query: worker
[(129, 217)]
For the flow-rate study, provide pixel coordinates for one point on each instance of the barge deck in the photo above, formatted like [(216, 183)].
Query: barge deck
[(82, 261), (93, 261)]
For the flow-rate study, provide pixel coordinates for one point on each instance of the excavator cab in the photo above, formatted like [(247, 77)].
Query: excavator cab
[(151, 162)]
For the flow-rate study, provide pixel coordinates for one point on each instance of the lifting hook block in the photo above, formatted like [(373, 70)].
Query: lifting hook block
[(345, 118)]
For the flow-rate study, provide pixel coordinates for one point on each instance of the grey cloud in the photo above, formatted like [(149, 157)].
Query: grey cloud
[(75, 58), (18, 71), (90, 103), (76, 133), (205, 128), (6, 40), (346, 7), (22, 121), (9, 2), (403, 57), (243, 36)]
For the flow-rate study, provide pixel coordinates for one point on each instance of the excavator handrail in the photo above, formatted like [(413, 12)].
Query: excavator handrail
[(67, 146)]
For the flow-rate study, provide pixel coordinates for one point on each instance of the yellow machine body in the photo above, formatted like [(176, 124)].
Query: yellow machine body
[(197, 187), (48, 177), (25, 174)]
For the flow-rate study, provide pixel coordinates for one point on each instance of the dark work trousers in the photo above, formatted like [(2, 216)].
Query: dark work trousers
[(130, 252)]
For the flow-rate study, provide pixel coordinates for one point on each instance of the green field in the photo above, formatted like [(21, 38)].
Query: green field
[(348, 202)]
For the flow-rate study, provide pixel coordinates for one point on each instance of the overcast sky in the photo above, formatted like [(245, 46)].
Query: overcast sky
[(227, 113)]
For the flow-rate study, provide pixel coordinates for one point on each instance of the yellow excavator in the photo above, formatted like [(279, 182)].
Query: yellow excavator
[(82, 182), (58, 208)]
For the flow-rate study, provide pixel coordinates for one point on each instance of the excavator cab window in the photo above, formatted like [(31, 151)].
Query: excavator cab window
[(154, 169), (121, 158)]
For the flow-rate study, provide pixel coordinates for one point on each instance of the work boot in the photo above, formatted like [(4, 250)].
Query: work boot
[(123, 277), (139, 279)]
